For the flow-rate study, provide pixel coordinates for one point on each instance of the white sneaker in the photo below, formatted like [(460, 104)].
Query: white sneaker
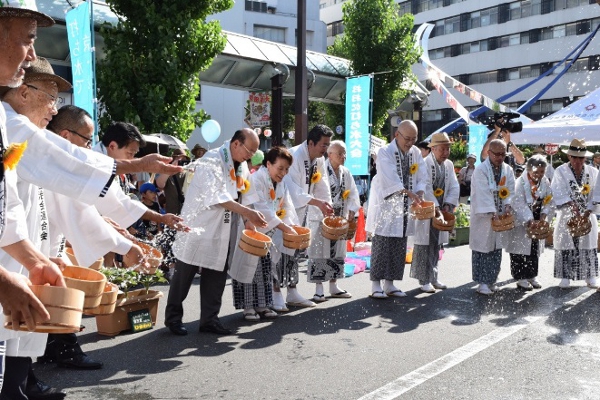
[(591, 283), (484, 289), (564, 283), (535, 283), (439, 285), (524, 284), (428, 288)]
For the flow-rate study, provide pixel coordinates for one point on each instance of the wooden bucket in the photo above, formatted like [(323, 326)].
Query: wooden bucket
[(447, 224), (503, 223), (425, 210), (71, 255), (108, 300), (254, 242), (64, 306), (352, 224), (87, 280), (538, 230), (334, 228), (154, 257), (300, 241), (579, 226)]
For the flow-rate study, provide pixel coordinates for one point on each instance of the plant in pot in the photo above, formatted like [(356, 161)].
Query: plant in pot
[(135, 295), (460, 235)]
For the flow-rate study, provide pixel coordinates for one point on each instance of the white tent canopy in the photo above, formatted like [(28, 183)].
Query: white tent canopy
[(579, 120)]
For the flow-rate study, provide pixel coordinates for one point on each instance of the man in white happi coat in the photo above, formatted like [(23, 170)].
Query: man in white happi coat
[(326, 257), (308, 183), (443, 189), (211, 208), (400, 181), (492, 191)]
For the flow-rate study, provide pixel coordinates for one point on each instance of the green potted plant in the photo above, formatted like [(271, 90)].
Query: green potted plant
[(131, 298), (460, 235)]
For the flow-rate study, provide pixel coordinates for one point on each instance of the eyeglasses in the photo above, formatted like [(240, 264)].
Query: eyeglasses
[(245, 148), (88, 141), (407, 139), (54, 100), (498, 154)]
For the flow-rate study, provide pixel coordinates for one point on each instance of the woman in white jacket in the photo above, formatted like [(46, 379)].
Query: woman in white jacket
[(252, 281), (532, 202)]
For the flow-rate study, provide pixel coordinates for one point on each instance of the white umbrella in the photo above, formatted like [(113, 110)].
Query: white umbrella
[(579, 120), (172, 141), (155, 139)]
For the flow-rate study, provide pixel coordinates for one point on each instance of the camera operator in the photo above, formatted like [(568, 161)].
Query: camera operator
[(502, 128)]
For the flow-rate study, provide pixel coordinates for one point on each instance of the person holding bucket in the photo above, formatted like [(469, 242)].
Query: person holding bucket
[(309, 186), (326, 256), (252, 278), (400, 181), (443, 189)]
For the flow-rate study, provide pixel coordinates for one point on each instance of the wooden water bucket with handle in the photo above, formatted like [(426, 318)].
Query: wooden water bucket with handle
[(334, 228), (87, 280), (154, 257), (504, 222), (538, 230), (64, 305), (425, 210), (300, 241), (446, 224), (579, 225), (255, 243)]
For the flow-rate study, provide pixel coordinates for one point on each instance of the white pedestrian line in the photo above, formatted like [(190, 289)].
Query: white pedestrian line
[(415, 378)]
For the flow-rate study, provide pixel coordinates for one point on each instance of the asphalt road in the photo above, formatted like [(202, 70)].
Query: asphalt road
[(454, 344)]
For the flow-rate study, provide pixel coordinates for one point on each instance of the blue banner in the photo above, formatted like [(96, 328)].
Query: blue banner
[(477, 138), (79, 32), (358, 124)]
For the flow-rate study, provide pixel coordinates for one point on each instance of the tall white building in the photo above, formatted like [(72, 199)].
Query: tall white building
[(497, 46)]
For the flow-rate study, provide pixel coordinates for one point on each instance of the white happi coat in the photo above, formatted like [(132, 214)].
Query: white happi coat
[(207, 243), (320, 246), (298, 181), (243, 265), (564, 190), (519, 242), (485, 202), (385, 216), (451, 194), (90, 236), (54, 163)]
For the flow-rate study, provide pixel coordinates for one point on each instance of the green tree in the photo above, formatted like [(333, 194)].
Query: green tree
[(150, 75), (377, 39)]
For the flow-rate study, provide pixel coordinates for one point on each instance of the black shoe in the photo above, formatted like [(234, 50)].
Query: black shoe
[(80, 361), (41, 391), (215, 327), (177, 328)]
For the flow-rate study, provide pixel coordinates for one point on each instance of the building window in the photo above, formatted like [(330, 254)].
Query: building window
[(256, 6), (433, 115), (405, 8), (335, 28), (271, 33), (452, 25), (489, 16)]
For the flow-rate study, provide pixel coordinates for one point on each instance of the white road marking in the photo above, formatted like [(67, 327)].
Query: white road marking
[(413, 379)]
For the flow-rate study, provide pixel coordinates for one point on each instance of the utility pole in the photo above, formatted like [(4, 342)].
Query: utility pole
[(301, 100)]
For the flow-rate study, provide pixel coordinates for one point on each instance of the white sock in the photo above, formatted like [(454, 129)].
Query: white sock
[(376, 286), (249, 310), (388, 286), (333, 288), (319, 289)]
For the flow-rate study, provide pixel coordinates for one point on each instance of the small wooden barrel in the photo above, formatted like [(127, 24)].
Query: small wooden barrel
[(538, 230), (447, 224), (579, 226), (254, 242), (334, 228), (87, 280), (351, 229), (154, 257), (300, 241), (64, 305), (425, 210), (503, 223), (108, 300), (71, 255)]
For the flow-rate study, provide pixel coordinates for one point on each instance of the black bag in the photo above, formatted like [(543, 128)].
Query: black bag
[(465, 190)]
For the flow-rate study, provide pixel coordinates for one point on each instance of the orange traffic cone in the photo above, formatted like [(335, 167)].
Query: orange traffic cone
[(349, 246), (361, 233)]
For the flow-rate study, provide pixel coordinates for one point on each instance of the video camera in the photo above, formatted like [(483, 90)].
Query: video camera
[(503, 121)]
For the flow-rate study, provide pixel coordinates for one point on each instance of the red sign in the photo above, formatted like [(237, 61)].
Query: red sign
[(551, 149)]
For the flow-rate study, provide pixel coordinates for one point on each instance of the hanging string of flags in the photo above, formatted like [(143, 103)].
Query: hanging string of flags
[(441, 81)]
